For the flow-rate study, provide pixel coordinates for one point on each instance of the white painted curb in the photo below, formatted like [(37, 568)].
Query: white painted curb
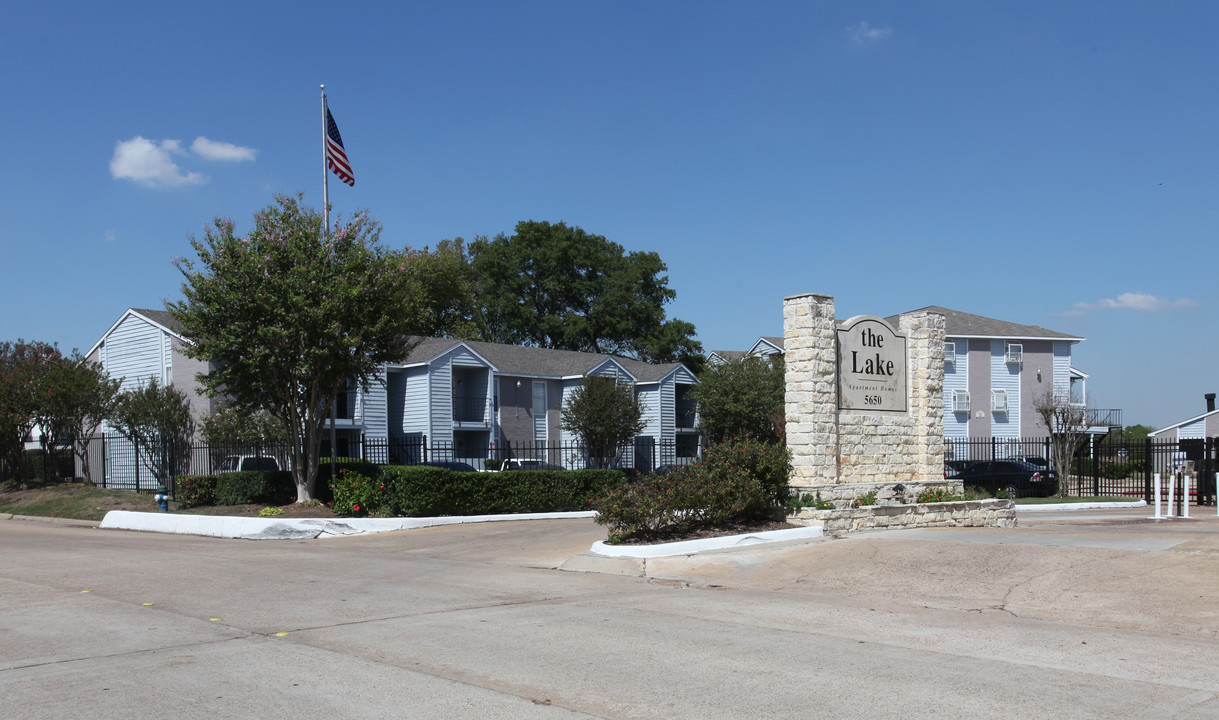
[(1081, 506), (272, 528), (689, 547)]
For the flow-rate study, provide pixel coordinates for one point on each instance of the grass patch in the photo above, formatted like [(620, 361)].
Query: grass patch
[(1073, 499), (71, 500)]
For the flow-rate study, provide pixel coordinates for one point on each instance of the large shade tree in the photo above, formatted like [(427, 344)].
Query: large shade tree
[(555, 286), (289, 315)]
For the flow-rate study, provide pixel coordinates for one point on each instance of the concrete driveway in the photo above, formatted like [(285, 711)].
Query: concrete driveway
[(1104, 616)]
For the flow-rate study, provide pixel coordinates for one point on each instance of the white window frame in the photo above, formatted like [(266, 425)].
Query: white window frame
[(1014, 353), (950, 351), (998, 401), (960, 401)]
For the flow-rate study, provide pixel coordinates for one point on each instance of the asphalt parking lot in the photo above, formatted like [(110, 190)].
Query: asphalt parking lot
[(1085, 614)]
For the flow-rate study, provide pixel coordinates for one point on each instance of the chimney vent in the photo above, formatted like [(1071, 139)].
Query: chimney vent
[(1210, 402)]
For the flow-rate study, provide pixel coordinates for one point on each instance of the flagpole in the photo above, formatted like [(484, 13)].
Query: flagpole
[(334, 411)]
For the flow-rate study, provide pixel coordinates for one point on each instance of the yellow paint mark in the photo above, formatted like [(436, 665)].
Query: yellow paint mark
[(147, 604), (280, 634), (84, 591), (213, 619)]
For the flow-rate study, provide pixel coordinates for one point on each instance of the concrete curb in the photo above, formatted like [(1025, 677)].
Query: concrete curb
[(1081, 506), (271, 528), (50, 520), (769, 538)]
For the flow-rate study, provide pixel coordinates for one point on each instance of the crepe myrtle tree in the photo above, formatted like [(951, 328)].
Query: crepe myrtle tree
[(23, 365), (1067, 423), (290, 314), (156, 419), (78, 396), (605, 415)]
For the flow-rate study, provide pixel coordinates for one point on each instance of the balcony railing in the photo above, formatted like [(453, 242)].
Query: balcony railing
[(470, 409)]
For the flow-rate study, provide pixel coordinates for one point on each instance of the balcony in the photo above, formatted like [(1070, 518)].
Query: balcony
[(471, 411)]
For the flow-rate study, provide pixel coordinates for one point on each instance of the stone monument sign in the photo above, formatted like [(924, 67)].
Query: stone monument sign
[(871, 366), (864, 401)]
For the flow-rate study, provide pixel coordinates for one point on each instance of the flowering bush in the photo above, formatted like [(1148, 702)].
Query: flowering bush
[(355, 494), (868, 498)]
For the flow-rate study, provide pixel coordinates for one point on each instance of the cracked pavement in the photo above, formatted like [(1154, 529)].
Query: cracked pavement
[(1101, 615)]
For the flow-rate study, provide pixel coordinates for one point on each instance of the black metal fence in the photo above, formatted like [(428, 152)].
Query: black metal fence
[(1104, 467), (113, 461)]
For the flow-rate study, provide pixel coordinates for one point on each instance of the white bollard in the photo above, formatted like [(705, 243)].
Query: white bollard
[(1157, 516), (1185, 495), (1172, 493)]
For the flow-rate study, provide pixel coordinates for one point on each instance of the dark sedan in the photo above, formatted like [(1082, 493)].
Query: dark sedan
[(1017, 479)]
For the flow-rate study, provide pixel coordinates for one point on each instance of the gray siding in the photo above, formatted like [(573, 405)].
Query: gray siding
[(956, 377), (184, 372), (1038, 355), (979, 387), (374, 407), (515, 409), (1003, 376), (417, 406)]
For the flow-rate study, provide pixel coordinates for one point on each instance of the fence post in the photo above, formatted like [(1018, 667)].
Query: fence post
[(1095, 469), (1148, 468)]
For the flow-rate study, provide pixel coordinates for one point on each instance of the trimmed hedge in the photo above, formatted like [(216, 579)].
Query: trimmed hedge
[(424, 491), (237, 488)]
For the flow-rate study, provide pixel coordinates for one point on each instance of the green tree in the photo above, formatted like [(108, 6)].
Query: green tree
[(742, 399), (1137, 433), (560, 287), (77, 396), (288, 317), (156, 419), (22, 367), (446, 305), (605, 415), (230, 425)]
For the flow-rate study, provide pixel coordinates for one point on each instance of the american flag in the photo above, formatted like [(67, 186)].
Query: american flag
[(336, 156)]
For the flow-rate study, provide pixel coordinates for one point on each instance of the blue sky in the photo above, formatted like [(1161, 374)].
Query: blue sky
[(1045, 163)]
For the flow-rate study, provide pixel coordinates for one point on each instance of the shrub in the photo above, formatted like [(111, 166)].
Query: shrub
[(360, 495), (796, 502), (734, 482), (196, 490), (322, 491), (264, 487)]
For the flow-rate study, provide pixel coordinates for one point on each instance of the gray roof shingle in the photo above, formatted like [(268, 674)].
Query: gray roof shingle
[(538, 362)]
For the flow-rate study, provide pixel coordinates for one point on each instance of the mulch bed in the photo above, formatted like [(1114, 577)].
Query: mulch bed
[(711, 532)]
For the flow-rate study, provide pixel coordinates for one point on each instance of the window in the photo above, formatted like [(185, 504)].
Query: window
[(950, 352), (960, 401), (1015, 353), (998, 401)]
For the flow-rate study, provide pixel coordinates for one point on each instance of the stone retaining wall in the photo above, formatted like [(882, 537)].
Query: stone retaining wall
[(966, 513)]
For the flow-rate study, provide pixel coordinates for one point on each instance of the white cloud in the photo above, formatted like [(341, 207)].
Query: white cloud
[(1139, 302), (216, 150), (864, 33), (151, 163)]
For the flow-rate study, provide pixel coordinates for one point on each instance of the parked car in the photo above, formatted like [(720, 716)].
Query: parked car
[(452, 465), (954, 468), (530, 465), (1017, 479), (246, 463), (1033, 460)]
